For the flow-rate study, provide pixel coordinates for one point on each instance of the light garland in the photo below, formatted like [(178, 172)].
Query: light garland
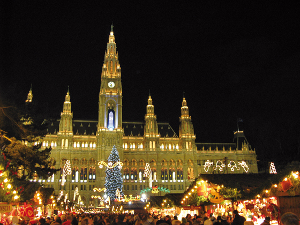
[(232, 165), (219, 165), (272, 168), (110, 165), (244, 165), (99, 189), (148, 173), (66, 171), (207, 165)]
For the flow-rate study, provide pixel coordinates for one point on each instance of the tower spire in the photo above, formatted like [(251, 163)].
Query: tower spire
[(30, 95)]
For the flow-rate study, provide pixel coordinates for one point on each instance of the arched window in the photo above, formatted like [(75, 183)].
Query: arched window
[(92, 173), (83, 174), (111, 119), (126, 174), (75, 174), (154, 174), (133, 175), (179, 174), (141, 172), (164, 174)]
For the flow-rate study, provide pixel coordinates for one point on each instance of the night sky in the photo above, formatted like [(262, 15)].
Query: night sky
[(237, 59)]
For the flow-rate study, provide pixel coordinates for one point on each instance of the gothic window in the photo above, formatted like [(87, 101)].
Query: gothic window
[(153, 162), (126, 174), (162, 146), (170, 174), (164, 162), (133, 162), (153, 144), (172, 162), (83, 161), (141, 172), (126, 162), (74, 145), (179, 174), (133, 175), (78, 144), (82, 145), (142, 162), (154, 174), (94, 145), (170, 146), (75, 174), (92, 161), (150, 144), (83, 174), (111, 117), (164, 174), (62, 143), (92, 173), (75, 161), (177, 147)]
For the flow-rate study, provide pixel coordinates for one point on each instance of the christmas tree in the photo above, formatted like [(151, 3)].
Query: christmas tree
[(113, 179)]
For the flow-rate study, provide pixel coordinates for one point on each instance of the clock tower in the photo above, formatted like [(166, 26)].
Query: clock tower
[(109, 128)]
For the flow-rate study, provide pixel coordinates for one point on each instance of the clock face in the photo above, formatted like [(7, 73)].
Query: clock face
[(111, 84)]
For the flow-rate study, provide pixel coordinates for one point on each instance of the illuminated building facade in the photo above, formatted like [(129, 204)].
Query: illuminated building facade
[(175, 160)]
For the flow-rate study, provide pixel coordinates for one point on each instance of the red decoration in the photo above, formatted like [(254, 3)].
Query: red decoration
[(7, 165), (29, 211), (7, 193), (286, 184)]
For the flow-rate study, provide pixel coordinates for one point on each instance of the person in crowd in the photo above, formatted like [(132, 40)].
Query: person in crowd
[(68, 220), (57, 221), (224, 220), (207, 221), (189, 219), (197, 221), (74, 221), (289, 218), (237, 219), (218, 221), (249, 220), (266, 221), (174, 220)]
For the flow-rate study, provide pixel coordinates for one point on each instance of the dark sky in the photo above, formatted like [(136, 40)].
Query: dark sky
[(236, 59)]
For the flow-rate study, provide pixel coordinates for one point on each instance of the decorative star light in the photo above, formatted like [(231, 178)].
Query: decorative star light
[(207, 165), (244, 165)]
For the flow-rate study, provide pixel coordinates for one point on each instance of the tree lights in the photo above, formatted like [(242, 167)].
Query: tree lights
[(113, 178), (66, 171)]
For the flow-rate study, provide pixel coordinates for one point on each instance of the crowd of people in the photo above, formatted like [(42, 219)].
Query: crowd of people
[(149, 219)]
